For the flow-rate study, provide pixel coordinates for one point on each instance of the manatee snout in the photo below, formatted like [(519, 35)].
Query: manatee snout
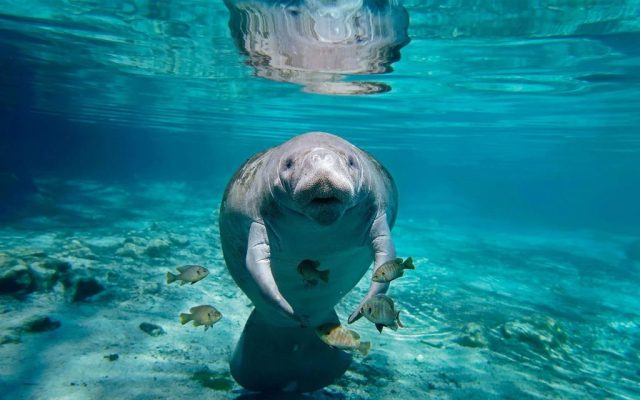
[(325, 189)]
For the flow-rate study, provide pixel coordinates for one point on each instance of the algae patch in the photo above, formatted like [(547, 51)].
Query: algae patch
[(213, 380)]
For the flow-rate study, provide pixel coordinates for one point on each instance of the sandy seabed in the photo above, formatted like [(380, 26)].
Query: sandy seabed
[(490, 312)]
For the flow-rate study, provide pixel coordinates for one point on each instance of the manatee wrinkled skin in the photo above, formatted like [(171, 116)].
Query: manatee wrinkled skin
[(314, 198)]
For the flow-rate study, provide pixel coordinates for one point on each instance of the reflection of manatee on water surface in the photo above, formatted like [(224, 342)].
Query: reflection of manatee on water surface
[(316, 42)]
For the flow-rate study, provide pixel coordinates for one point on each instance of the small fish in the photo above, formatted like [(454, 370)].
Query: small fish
[(335, 335), (188, 274), (380, 310), (310, 274), (201, 315), (392, 269)]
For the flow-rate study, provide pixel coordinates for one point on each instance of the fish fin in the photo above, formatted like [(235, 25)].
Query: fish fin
[(364, 348), (206, 327), (355, 335), (398, 260), (196, 323), (408, 263), (324, 276), (193, 282), (183, 268), (183, 283), (171, 277), (393, 327), (398, 320), (388, 300), (379, 327), (184, 318)]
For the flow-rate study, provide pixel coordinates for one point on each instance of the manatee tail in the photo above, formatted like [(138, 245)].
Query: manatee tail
[(171, 277), (273, 358), (324, 276), (408, 264), (184, 318), (364, 348)]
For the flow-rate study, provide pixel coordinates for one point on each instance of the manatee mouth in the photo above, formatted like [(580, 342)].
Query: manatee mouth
[(325, 201)]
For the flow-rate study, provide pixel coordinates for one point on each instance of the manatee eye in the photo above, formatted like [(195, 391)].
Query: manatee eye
[(352, 161), (383, 274), (288, 163)]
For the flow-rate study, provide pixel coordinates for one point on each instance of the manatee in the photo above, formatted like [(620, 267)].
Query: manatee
[(313, 199)]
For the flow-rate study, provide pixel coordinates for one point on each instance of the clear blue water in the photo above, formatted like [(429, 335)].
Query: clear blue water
[(511, 130)]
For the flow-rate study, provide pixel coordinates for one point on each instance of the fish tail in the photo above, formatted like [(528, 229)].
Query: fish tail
[(408, 264), (171, 277), (398, 320), (324, 276), (364, 348), (184, 318)]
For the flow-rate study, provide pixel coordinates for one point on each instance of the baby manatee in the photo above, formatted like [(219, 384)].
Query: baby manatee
[(188, 274), (392, 269), (201, 315)]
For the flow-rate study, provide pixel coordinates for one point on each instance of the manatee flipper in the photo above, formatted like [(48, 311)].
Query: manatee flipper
[(383, 250), (258, 264), (273, 358)]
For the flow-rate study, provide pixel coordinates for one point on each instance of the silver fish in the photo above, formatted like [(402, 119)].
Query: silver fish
[(201, 315), (188, 274), (381, 311), (335, 335), (392, 269)]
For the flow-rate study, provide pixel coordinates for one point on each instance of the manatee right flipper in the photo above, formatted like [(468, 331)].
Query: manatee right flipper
[(273, 358), (258, 264), (383, 250)]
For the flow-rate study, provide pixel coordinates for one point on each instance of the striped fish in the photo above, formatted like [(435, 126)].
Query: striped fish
[(335, 335), (381, 311), (392, 269)]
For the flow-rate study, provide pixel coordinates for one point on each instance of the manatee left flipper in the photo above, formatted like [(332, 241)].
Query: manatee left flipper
[(383, 250), (258, 263)]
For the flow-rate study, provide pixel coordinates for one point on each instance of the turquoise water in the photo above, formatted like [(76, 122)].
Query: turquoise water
[(511, 131)]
